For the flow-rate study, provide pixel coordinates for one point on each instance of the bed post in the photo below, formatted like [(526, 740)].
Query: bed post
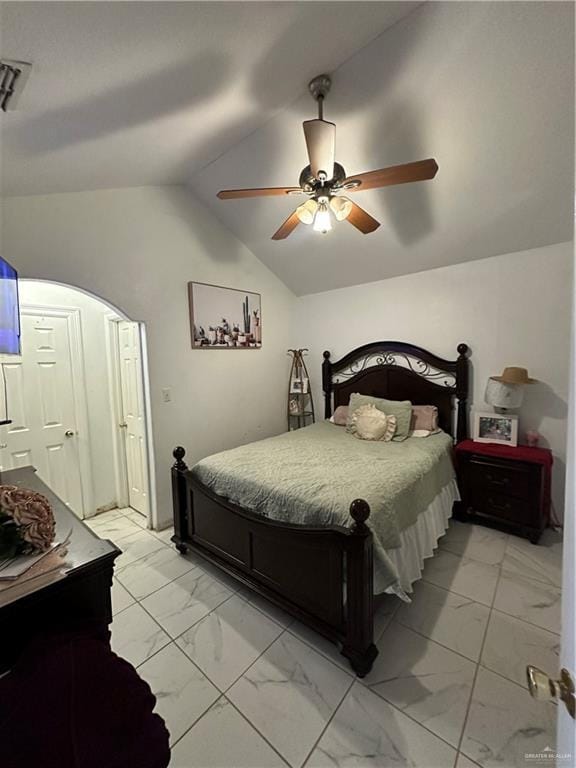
[(327, 384), (179, 498), (462, 393), (359, 646)]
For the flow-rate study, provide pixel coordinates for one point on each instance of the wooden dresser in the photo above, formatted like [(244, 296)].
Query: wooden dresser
[(81, 599)]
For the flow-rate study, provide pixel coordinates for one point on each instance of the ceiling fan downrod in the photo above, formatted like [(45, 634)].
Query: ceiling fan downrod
[(319, 87)]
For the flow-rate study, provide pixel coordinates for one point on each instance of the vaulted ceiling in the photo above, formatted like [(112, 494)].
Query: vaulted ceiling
[(214, 94), (135, 93)]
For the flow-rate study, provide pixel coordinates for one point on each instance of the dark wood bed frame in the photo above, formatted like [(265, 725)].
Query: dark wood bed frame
[(322, 576)]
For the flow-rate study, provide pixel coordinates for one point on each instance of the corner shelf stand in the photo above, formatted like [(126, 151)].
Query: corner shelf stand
[(300, 409)]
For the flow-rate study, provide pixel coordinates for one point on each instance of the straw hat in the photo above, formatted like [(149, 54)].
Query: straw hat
[(514, 375)]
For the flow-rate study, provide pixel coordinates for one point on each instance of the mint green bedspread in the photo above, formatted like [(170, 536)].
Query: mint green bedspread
[(311, 475)]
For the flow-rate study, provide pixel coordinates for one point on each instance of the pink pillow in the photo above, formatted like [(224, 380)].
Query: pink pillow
[(340, 416), (424, 417)]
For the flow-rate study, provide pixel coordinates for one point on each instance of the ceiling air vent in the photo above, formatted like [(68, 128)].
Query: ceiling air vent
[(13, 77)]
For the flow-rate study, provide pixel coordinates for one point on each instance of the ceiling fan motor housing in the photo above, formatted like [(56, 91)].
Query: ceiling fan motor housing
[(311, 186)]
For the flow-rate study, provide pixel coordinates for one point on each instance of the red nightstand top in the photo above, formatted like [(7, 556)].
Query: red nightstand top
[(519, 452)]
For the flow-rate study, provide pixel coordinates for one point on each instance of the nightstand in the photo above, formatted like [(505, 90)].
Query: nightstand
[(505, 484)]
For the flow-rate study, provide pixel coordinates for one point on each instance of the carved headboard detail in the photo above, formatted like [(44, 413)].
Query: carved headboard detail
[(399, 371)]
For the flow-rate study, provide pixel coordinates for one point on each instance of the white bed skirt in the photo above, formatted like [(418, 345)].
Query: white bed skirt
[(419, 541)]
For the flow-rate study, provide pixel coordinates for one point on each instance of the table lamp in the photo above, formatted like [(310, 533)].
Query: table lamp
[(506, 392)]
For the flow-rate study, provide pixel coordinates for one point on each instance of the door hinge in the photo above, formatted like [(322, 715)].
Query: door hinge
[(13, 77), (542, 687)]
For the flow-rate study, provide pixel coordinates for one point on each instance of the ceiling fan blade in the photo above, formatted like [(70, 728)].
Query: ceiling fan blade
[(287, 227), (229, 194), (362, 220), (321, 142), (395, 174)]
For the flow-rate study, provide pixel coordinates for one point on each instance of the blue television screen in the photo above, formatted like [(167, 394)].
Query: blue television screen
[(9, 312)]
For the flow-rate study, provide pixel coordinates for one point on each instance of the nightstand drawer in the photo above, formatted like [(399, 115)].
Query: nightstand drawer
[(511, 479), (507, 508)]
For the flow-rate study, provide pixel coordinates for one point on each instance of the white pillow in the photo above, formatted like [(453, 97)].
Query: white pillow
[(423, 432), (370, 423)]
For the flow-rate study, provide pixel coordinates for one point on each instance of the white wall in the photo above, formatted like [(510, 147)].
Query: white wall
[(511, 310), (138, 248), (93, 314)]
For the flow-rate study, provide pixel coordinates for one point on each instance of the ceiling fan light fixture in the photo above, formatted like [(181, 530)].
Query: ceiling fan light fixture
[(307, 211), (323, 179), (322, 222), (341, 207)]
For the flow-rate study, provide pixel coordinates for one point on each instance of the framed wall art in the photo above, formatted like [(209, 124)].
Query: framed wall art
[(224, 318)]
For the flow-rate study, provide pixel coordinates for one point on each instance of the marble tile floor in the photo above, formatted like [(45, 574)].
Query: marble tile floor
[(239, 683)]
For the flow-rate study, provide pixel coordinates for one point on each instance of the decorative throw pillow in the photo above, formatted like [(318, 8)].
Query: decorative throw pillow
[(369, 423), (401, 409), (340, 416), (424, 417)]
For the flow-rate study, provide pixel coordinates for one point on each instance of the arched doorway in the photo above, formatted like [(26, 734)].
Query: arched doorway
[(78, 400)]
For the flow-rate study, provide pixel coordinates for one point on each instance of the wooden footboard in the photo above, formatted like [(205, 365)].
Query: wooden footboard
[(322, 576)]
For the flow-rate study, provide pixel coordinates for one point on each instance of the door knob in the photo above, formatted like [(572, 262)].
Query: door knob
[(543, 688), (69, 433), (3, 445), (123, 425)]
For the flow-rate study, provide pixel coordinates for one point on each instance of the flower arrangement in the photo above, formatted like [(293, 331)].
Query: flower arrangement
[(26, 522)]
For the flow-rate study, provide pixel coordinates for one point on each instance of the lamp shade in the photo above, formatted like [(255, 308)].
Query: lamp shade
[(502, 395), (322, 221), (307, 211), (341, 207)]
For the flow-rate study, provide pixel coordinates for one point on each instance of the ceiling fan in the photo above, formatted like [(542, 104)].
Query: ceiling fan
[(324, 179)]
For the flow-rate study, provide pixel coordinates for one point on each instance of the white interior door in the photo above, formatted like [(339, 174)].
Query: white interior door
[(40, 390), (133, 415), (566, 727)]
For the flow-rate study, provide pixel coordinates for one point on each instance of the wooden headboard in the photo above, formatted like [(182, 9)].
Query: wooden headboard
[(399, 371)]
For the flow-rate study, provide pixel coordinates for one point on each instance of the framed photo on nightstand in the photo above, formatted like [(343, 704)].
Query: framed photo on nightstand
[(500, 428)]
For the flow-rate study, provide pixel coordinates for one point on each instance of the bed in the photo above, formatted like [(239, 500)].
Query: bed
[(285, 534)]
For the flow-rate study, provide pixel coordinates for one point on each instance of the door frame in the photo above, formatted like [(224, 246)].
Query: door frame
[(565, 730), (115, 394), (73, 317)]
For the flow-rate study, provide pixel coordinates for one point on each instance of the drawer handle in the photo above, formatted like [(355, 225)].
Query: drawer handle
[(498, 480), (495, 504)]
